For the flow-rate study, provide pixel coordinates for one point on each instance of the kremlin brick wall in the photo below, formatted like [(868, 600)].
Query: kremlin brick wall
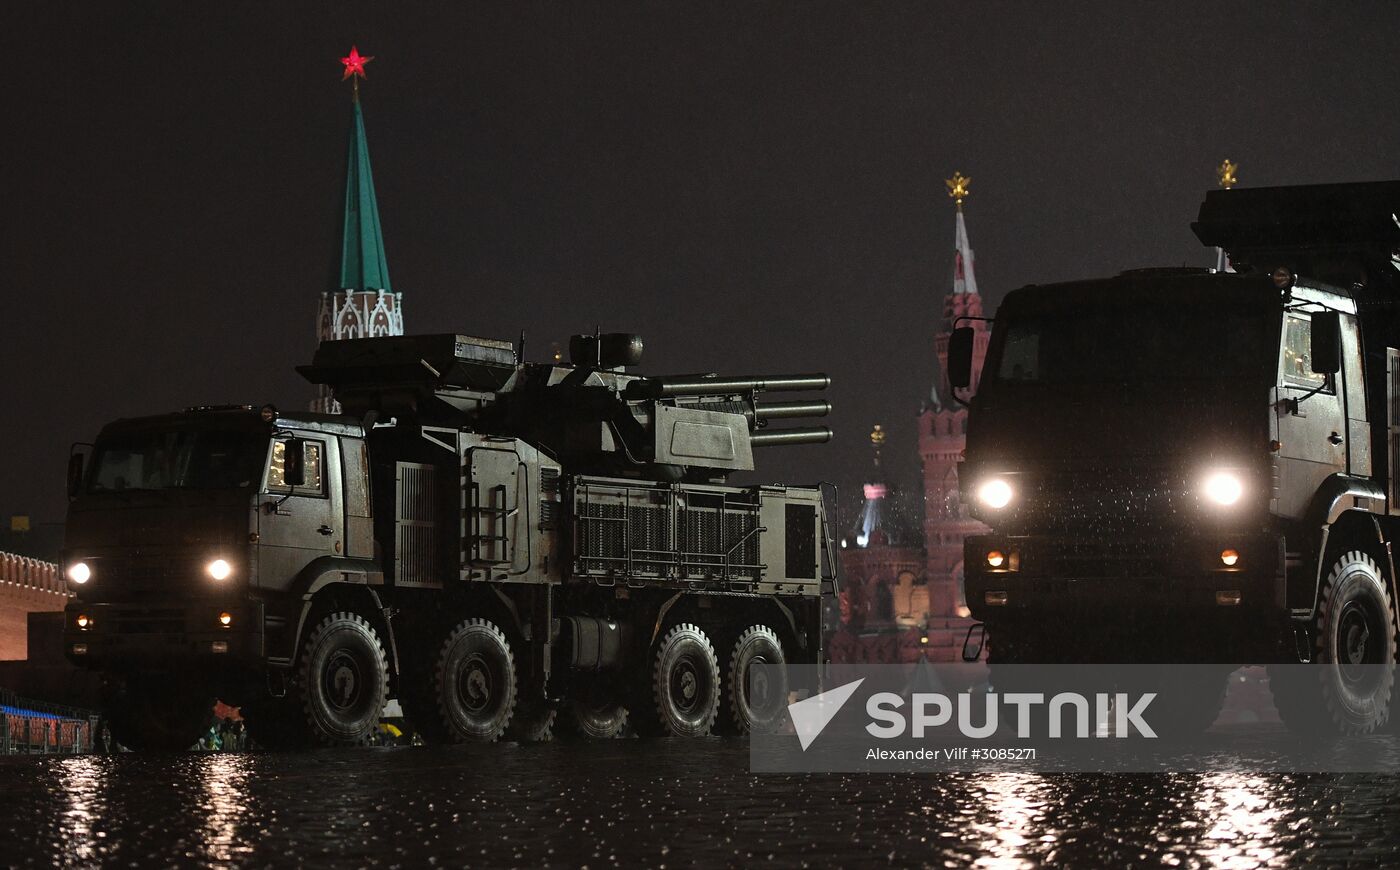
[(26, 586)]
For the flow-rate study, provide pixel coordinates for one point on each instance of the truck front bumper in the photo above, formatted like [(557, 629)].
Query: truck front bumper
[(1150, 577), (149, 635)]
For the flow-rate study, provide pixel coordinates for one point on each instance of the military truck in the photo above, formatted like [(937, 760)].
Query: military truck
[(494, 543), (1192, 466)]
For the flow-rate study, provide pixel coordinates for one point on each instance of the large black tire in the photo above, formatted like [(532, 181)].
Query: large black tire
[(342, 680), (595, 719), (754, 700), (533, 721), (157, 714), (474, 683), (685, 686), (1349, 689), (594, 711)]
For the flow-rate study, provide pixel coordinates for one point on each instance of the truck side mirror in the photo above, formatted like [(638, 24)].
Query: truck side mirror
[(1326, 349), (960, 358), (75, 474), (294, 462)]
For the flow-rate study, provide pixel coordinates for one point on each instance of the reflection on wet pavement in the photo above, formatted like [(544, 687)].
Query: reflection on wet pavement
[(672, 803)]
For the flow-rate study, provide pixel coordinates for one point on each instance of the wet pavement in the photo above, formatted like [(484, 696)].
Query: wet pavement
[(666, 803)]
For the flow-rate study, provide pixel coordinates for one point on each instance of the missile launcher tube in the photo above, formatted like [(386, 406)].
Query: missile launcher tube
[(661, 388), (787, 437)]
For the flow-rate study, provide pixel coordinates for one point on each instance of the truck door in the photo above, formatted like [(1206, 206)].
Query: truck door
[(1358, 431), (296, 526), (1313, 432)]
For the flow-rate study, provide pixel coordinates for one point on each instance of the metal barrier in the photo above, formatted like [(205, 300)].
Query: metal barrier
[(35, 728)]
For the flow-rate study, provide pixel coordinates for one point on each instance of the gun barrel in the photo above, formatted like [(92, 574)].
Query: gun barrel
[(699, 385), (784, 437), (786, 410)]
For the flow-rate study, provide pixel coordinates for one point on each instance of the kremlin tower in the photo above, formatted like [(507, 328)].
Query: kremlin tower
[(361, 303), (901, 594), (943, 429)]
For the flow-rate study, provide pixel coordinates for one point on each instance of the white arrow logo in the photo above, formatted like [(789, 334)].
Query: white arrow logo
[(812, 715)]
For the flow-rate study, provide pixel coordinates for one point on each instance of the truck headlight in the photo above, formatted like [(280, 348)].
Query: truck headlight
[(79, 573), (995, 493), (219, 569), (1223, 488)]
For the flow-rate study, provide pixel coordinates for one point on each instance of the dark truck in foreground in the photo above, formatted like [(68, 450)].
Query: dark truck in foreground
[(494, 543), (1186, 466)]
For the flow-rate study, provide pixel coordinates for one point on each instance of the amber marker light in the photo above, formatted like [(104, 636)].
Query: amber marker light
[(84, 621), (225, 619), (1229, 558), (996, 558)]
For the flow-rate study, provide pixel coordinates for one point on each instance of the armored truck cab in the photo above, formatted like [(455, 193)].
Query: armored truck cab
[(1187, 466), (493, 543)]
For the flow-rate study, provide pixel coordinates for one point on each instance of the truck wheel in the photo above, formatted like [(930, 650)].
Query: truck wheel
[(157, 715), (533, 722), (599, 719), (1348, 691), (474, 682), (593, 711), (343, 680), (754, 699), (685, 685)]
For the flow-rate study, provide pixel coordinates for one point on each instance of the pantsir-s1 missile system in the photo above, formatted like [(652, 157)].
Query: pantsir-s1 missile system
[(1187, 466), (497, 544)]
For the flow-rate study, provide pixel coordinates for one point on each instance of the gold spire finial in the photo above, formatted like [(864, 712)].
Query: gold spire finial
[(1226, 173), (877, 436), (957, 187)]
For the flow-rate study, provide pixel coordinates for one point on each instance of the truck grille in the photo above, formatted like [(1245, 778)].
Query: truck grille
[(148, 621), (1102, 503), (147, 571)]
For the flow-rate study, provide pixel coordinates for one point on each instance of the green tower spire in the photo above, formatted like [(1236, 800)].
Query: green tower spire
[(363, 265)]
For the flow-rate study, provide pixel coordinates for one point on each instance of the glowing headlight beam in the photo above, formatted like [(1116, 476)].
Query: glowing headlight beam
[(79, 573), (1223, 488), (219, 569), (995, 494)]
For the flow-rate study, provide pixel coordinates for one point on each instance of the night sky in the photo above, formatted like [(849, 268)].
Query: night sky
[(754, 188)]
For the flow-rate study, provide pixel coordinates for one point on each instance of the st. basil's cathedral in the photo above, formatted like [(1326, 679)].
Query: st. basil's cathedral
[(902, 579)]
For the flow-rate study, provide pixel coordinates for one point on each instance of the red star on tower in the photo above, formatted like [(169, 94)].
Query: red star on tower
[(354, 64)]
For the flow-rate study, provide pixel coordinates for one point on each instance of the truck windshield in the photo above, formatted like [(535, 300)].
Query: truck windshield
[(1140, 344), (186, 459)]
